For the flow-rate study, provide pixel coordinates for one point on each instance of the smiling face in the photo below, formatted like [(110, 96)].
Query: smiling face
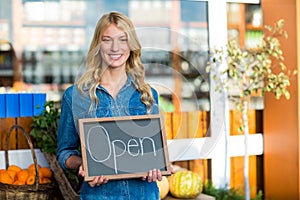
[(114, 47)]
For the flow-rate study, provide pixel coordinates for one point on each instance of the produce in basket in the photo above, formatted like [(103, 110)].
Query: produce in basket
[(10, 185), (14, 168), (185, 184), (16, 176), (5, 178)]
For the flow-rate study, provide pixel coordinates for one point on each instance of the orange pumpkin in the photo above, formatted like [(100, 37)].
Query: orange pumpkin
[(45, 181), (163, 187), (5, 178), (14, 168), (12, 174), (45, 172), (30, 180), (185, 184), (22, 175), (32, 167), (17, 182)]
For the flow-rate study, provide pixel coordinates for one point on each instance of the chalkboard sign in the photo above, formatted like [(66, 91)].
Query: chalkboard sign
[(123, 147)]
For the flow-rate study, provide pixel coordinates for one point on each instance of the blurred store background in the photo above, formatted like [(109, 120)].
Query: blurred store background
[(43, 44), (51, 38)]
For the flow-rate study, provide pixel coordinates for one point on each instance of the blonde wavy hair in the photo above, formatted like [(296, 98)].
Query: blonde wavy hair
[(92, 76)]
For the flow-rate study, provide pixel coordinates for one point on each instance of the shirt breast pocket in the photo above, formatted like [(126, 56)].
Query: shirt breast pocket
[(103, 112)]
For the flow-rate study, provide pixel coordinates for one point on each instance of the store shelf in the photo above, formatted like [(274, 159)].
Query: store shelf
[(57, 24), (6, 73), (254, 28), (249, 19)]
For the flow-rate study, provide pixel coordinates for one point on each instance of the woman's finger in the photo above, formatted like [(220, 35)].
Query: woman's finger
[(154, 175), (172, 169), (94, 181), (150, 176), (144, 178), (100, 181), (81, 171), (159, 175), (105, 180)]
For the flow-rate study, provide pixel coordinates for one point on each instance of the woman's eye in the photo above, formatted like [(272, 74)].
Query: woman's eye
[(106, 40), (124, 40)]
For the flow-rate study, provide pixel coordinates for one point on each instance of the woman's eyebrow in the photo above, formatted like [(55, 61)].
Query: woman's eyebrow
[(119, 36)]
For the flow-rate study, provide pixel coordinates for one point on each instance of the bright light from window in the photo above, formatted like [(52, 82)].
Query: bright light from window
[(35, 11)]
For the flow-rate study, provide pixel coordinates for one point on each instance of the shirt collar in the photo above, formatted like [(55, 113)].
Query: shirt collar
[(127, 84)]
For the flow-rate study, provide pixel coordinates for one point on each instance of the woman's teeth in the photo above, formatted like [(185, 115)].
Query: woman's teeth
[(115, 56)]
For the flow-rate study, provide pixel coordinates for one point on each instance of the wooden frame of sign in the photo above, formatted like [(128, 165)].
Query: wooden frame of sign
[(123, 147)]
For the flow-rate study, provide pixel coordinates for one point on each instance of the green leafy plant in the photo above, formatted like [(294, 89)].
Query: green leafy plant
[(226, 193), (252, 71), (44, 131), (44, 128)]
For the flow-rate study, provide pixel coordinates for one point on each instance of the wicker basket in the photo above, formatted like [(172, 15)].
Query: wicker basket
[(63, 183), (25, 192)]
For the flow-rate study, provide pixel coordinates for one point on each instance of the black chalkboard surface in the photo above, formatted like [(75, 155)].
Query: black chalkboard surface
[(123, 147)]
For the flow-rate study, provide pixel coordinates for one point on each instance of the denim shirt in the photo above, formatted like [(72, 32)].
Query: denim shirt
[(76, 105)]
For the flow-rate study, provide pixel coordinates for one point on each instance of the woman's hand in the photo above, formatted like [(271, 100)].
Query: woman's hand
[(81, 171), (153, 175), (96, 181)]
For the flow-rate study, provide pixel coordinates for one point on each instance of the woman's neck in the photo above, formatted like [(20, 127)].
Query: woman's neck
[(113, 81)]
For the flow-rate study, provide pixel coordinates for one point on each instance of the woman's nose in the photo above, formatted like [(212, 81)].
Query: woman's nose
[(115, 45)]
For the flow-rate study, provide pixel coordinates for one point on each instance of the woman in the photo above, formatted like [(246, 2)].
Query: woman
[(112, 85)]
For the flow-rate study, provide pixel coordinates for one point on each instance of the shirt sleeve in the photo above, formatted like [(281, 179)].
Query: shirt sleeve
[(67, 135), (155, 106)]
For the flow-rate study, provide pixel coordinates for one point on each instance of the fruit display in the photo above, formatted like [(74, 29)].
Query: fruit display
[(185, 184), (17, 176)]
